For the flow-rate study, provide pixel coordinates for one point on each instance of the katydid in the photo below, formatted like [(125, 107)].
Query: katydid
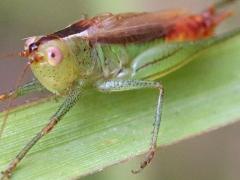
[(114, 53)]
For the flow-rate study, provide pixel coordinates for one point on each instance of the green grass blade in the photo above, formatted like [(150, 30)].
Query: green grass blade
[(104, 129)]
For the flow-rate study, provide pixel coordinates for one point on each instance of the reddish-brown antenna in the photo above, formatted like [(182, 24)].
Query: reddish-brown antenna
[(11, 98), (9, 55)]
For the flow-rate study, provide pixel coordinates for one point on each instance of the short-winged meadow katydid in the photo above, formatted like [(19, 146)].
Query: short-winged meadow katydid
[(109, 53)]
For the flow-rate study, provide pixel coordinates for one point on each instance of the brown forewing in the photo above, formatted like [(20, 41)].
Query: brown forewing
[(124, 28)]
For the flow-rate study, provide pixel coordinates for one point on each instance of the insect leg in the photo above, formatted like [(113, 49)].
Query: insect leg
[(33, 86), (125, 85), (69, 102)]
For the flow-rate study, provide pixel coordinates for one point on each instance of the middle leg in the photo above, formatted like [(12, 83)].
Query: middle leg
[(126, 85)]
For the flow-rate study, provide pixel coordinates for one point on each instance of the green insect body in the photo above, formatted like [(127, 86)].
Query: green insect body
[(102, 62)]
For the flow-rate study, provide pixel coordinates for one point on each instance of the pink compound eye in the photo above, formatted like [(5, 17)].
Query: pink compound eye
[(54, 55)]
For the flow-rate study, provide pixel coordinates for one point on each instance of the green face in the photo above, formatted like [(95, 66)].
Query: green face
[(54, 65)]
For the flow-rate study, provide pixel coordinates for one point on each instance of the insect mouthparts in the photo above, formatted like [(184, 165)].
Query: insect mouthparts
[(24, 53)]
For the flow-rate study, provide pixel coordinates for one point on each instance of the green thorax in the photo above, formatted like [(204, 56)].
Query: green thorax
[(116, 60), (107, 61)]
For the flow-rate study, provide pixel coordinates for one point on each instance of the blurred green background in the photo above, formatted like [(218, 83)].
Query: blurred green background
[(213, 155)]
